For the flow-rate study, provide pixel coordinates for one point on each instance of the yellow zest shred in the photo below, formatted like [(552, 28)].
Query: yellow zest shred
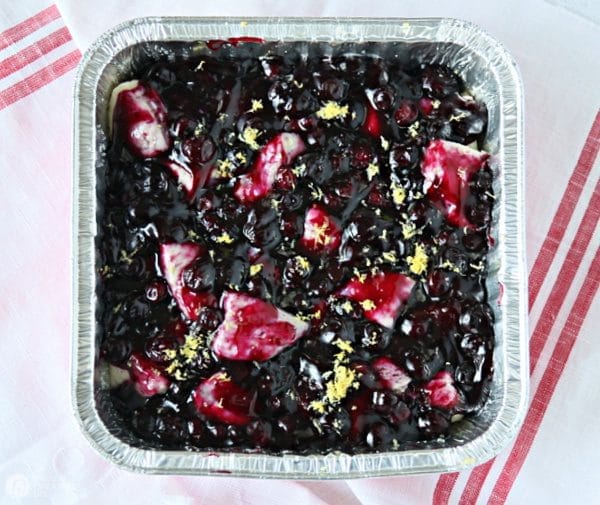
[(300, 170), (256, 105), (413, 130), (249, 136), (303, 263), (409, 230), (194, 346), (368, 305), (343, 379), (321, 235), (190, 348), (359, 277), (318, 406), (398, 193), (458, 117), (343, 345), (224, 168), (254, 269), (450, 266), (418, 262), (332, 110), (172, 366), (126, 257), (372, 171), (316, 193), (170, 353), (390, 256), (224, 238), (347, 307)]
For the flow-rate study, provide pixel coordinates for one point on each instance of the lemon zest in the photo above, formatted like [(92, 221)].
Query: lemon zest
[(418, 262), (224, 238), (368, 305), (249, 136), (332, 110), (254, 269)]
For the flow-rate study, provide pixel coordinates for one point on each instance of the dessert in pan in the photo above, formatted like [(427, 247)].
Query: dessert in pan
[(292, 248)]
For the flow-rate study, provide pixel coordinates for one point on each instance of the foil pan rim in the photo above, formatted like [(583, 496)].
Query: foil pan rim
[(334, 465)]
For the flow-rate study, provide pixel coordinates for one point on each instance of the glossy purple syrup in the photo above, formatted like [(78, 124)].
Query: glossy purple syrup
[(411, 377)]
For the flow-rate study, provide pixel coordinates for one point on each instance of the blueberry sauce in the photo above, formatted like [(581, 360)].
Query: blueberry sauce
[(292, 248)]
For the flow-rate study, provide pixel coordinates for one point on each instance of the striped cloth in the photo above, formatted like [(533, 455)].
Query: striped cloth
[(554, 458), (39, 50)]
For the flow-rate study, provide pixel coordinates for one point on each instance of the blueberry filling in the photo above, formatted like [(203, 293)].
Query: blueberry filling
[(292, 248)]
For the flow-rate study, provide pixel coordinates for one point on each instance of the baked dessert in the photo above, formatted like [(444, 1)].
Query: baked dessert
[(292, 248)]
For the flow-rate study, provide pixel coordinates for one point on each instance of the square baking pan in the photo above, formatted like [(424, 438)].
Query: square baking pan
[(490, 75)]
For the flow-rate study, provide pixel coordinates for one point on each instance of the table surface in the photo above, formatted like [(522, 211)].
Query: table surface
[(44, 458)]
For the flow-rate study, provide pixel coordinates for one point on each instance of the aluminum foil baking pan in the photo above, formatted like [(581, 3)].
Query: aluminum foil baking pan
[(490, 74)]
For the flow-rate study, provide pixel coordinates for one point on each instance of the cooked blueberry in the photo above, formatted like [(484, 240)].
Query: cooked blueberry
[(156, 291), (432, 423), (378, 435), (399, 413), (157, 348), (116, 350), (209, 318), (476, 319), (403, 156), (383, 98), (199, 149), (333, 89), (260, 432), (406, 113), (199, 276), (439, 283), (383, 401), (440, 81), (361, 155)]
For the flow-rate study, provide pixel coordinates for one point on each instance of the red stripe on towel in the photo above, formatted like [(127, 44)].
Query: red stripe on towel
[(33, 52), (30, 25), (38, 80)]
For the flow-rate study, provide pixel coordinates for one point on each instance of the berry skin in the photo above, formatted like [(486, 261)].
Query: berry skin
[(406, 113)]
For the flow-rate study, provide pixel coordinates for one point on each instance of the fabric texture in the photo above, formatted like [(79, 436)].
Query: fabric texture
[(44, 458)]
